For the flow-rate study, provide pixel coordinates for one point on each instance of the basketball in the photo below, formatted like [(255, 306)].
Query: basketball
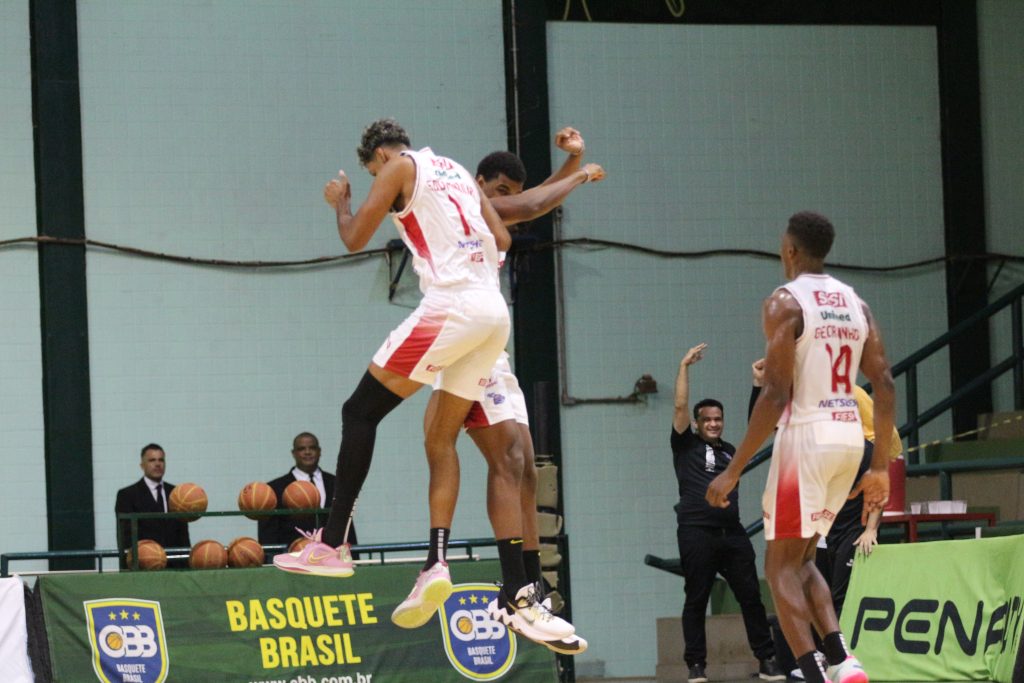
[(151, 555), (298, 544), (245, 552), (256, 496), (187, 498), (208, 555), (300, 495)]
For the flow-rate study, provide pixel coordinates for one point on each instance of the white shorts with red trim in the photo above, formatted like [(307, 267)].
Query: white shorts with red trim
[(453, 338), (813, 468), (503, 399)]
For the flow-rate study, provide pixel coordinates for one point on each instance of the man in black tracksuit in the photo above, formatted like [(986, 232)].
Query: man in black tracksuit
[(711, 540)]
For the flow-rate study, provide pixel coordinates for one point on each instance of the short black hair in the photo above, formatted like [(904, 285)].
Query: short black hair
[(812, 232), (706, 403), (380, 133), (501, 162), (303, 434), (150, 447)]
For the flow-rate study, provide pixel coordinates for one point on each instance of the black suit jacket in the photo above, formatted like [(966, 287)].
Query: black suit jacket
[(281, 528), (170, 533)]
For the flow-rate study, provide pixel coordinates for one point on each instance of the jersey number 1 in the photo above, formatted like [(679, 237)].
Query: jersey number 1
[(841, 367)]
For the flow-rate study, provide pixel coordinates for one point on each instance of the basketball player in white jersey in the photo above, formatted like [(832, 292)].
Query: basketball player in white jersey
[(499, 424), (453, 337), (819, 333), (456, 333)]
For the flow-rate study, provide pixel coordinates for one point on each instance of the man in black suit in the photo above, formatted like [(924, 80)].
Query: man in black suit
[(150, 494), (282, 529)]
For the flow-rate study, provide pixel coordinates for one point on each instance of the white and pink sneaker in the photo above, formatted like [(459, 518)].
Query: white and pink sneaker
[(317, 558), (850, 671), (432, 588)]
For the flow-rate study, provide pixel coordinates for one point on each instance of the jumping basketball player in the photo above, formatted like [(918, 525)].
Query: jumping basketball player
[(498, 424), (819, 333)]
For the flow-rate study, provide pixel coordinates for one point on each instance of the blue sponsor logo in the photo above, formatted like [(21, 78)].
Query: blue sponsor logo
[(478, 647), (127, 640), (496, 398)]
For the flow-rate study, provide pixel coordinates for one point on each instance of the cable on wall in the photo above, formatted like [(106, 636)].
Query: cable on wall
[(588, 243)]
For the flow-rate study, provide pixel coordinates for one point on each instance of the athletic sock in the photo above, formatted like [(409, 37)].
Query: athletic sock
[(360, 415), (531, 560), (835, 648), (438, 551), (811, 669), (513, 572)]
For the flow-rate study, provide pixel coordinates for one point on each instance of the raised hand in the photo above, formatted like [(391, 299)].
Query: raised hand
[(595, 173), (695, 354), (757, 370), (570, 141), (337, 190)]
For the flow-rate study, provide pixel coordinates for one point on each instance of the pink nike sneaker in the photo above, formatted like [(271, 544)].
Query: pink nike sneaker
[(850, 671), (432, 588), (317, 558)]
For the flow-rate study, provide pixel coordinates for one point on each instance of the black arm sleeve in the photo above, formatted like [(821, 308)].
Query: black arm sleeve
[(754, 393)]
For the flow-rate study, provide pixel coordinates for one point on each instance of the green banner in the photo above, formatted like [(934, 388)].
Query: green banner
[(268, 626), (942, 611)]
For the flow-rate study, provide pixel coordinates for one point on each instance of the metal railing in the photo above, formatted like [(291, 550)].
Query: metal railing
[(380, 549), (1013, 363)]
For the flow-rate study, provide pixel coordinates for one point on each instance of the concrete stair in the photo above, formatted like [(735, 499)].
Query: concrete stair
[(729, 656)]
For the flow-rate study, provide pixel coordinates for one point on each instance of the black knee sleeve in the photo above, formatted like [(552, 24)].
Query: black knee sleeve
[(370, 402)]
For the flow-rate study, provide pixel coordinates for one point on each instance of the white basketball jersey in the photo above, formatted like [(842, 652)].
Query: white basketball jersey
[(443, 227), (828, 352)]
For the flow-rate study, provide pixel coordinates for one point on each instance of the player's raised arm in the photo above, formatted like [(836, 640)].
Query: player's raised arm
[(783, 323), (539, 200), (502, 238), (356, 230), (875, 366)]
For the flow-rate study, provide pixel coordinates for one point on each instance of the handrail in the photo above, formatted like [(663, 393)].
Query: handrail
[(970, 321), (1014, 363), (468, 543)]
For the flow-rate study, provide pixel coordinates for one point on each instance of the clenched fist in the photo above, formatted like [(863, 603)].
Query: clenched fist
[(570, 141), (337, 190)]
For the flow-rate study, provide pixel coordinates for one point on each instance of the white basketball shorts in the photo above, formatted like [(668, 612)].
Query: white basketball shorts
[(503, 399), (453, 337), (813, 468)]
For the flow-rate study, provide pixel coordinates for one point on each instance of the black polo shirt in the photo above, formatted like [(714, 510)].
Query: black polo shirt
[(697, 463)]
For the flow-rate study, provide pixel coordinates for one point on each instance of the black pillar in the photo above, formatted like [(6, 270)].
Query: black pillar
[(529, 131), (963, 192), (60, 212)]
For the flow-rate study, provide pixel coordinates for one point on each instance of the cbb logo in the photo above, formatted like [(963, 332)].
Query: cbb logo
[(127, 640), (470, 625), (478, 647)]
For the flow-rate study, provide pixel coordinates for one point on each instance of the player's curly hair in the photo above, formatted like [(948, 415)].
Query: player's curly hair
[(812, 232), (380, 133), (502, 162)]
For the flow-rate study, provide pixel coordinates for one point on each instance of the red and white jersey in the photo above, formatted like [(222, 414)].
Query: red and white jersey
[(443, 227), (827, 352)]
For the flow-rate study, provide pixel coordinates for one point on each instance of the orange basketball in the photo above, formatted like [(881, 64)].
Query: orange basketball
[(208, 555), (298, 544), (256, 496), (300, 495), (152, 555), (187, 498), (245, 552)]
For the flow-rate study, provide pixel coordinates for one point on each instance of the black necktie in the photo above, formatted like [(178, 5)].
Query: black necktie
[(160, 497)]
